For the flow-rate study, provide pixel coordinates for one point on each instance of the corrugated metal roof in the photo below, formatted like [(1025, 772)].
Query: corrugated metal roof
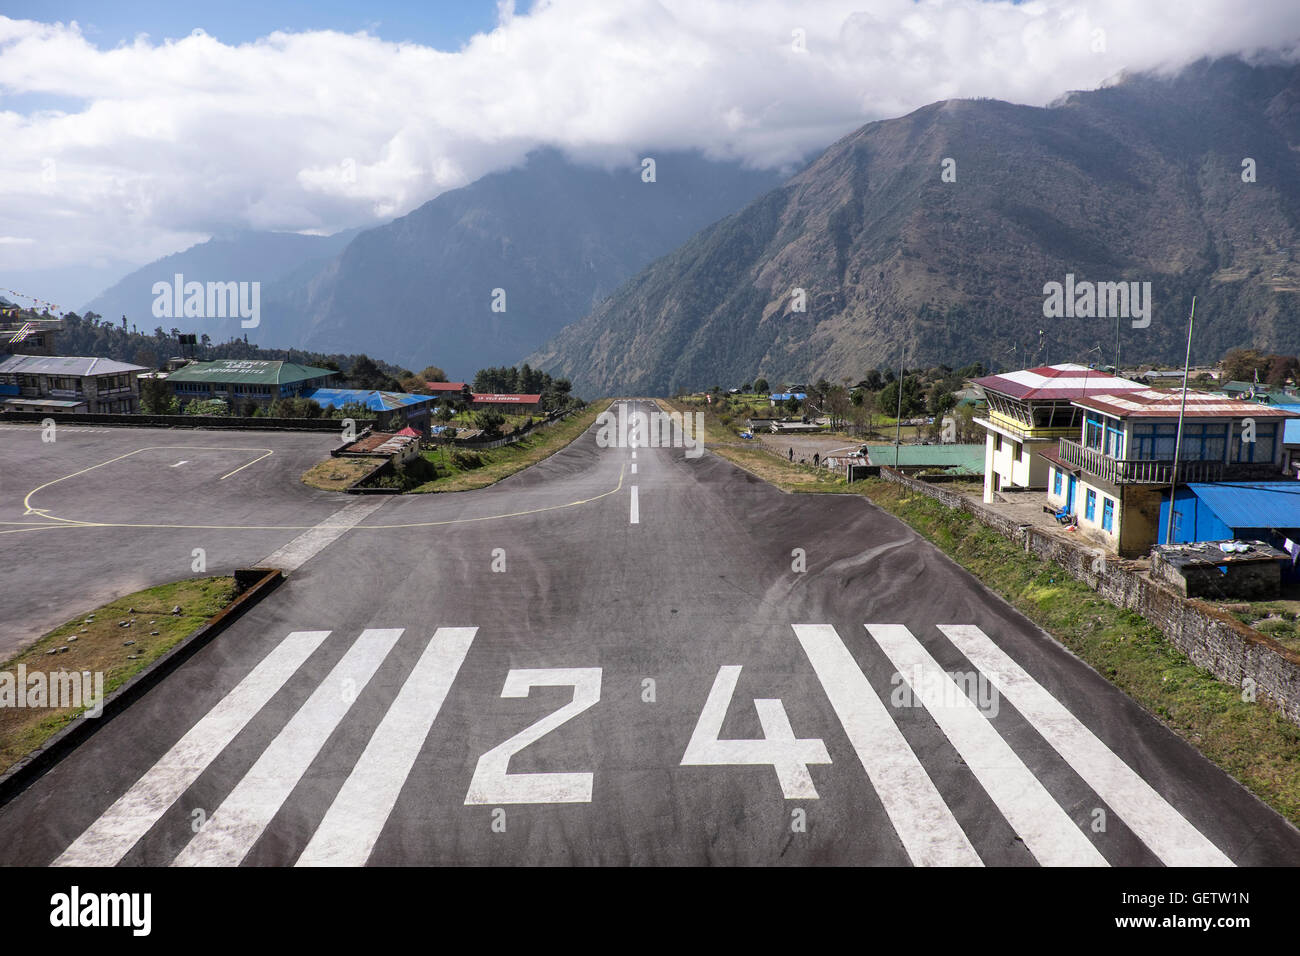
[(248, 372), (1252, 504), (1164, 403), (1055, 382), (64, 365), (966, 458), (372, 399)]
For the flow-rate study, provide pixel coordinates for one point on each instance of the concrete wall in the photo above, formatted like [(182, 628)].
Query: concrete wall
[(1213, 639), (191, 421)]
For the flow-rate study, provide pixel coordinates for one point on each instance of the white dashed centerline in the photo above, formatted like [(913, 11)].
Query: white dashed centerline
[(636, 513)]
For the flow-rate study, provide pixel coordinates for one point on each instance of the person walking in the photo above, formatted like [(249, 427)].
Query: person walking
[(792, 454)]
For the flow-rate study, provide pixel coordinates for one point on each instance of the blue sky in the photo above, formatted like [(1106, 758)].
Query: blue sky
[(444, 25)]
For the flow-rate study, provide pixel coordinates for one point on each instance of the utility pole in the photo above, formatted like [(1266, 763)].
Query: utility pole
[(1178, 438), (898, 420)]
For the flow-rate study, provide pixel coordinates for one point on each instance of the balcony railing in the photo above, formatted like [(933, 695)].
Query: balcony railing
[(1136, 471), (1021, 433)]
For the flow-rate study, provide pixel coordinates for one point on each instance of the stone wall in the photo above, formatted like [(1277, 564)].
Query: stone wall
[(1213, 639)]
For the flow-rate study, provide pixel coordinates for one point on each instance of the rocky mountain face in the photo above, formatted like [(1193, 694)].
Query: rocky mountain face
[(935, 234)]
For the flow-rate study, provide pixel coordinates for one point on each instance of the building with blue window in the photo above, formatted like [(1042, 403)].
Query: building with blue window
[(1114, 477)]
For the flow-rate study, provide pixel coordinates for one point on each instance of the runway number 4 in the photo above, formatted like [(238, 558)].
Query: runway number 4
[(788, 756), (493, 784)]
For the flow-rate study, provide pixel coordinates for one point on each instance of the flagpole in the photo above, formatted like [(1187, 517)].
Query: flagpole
[(1178, 439)]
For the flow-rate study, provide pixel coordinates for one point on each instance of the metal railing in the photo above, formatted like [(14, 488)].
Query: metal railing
[(1136, 471)]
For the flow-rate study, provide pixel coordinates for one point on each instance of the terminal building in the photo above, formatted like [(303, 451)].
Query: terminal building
[(241, 381)]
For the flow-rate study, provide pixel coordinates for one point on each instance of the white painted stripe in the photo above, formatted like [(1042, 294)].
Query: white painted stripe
[(634, 456), (1049, 833), (311, 542), (636, 512), (179, 463), (351, 827), (232, 830), (634, 468), (928, 830), (121, 826), (1157, 824)]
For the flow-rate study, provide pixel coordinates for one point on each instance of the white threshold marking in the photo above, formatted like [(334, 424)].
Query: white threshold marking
[(777, 748), (237, 823), (1047, 830), (351, 827), (929, 832), (636, 511), (121, 826), (314, 540), (1157, 824)]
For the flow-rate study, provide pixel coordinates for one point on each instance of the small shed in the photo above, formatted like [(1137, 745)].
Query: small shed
[(1247, 570)]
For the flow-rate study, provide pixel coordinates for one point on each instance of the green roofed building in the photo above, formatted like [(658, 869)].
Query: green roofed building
[(946, 459), (240, 381)]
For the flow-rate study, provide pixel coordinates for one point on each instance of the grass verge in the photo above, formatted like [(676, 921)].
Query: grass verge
[(478, 469), (98, 642), (338, 474), (1251, 741)]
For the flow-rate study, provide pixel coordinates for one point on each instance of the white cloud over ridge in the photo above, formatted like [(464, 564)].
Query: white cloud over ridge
[(316, 131)]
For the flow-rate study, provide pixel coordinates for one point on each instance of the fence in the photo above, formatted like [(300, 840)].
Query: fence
[(1213, 639)]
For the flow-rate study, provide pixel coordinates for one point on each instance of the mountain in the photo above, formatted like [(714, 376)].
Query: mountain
[(555, 236), (1139, 181), (271, 258)]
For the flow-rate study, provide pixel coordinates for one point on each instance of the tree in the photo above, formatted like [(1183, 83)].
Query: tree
[(156, 398), (433, 374), (792, 405), (837, 405), (940, 400), (913, 399), (761, 385), (1242, 365), (1281, 368), (490, 422)]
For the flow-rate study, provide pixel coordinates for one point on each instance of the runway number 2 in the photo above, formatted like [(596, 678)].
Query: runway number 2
[(493, 784), (778, 746)]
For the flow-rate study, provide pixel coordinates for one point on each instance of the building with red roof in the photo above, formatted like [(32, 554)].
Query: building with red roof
[(506, 403), (1032, 409)]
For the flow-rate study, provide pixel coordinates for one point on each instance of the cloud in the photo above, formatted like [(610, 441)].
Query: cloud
[(173, 140)]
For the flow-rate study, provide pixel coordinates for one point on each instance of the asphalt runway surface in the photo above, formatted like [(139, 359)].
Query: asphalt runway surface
[(619, 656)]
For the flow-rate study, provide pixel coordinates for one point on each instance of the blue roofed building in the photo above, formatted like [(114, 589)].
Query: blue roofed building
[(392, 410), (1235, 510)]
